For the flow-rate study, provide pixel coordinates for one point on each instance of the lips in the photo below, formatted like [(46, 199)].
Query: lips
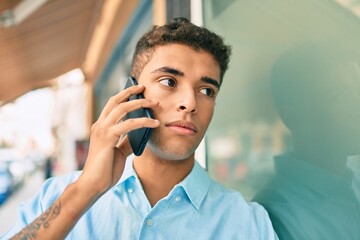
[(182, 127)]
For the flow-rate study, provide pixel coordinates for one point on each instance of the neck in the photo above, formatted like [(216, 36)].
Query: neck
[(158, 176), (321, 154)]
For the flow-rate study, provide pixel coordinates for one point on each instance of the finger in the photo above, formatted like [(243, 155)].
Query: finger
[(135, 123), (132, 124), (122, 109), (122, 96)]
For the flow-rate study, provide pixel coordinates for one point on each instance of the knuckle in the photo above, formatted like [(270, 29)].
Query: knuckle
[(112, 99), (93, 127), (97, 130), (122, 108), (131, 120), (145, 102)]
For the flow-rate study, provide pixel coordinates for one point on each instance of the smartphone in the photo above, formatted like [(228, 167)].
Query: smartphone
[(138, 137)]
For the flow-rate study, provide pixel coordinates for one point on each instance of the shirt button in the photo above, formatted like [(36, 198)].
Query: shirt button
[(130, 190), (177, 198), (149, 222)]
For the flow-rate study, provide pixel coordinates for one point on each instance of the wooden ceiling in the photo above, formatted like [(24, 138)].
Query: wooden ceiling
[(58, 37)]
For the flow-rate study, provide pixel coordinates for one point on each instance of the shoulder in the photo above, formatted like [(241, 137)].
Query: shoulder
[(231, 199), (62, 181), (53, 187), (235, 201), (249, 218), (50, 190)]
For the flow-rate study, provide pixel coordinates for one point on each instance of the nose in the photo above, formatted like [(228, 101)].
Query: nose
[(187, 103)]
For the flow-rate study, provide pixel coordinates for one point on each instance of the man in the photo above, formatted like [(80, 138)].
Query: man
[(312, 195), (164, 193)]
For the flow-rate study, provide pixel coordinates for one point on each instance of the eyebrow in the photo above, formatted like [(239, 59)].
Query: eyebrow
[(169, 70), (177, 72), (211, 81)]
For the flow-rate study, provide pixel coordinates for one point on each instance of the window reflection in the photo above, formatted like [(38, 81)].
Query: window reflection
[(286, 127), (313, 192)]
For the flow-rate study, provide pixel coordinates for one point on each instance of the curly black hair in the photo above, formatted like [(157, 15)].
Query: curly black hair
[(182, 31)]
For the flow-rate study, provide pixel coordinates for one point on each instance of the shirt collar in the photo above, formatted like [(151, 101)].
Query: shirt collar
[(128, 170), (196, 185)]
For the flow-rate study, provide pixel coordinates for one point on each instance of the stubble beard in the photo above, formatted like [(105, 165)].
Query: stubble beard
[(174, 153)]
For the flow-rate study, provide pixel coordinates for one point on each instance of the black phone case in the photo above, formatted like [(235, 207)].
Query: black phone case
[(138, 137)]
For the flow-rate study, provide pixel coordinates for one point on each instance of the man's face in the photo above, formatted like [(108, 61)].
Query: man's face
[(186, 83)]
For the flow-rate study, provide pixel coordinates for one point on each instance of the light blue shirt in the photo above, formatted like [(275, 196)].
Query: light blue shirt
[(196, 208)]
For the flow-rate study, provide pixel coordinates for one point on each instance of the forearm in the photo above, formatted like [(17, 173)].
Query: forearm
[(103, 169), (58, 220)]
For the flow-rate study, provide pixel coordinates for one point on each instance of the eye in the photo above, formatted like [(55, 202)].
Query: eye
[(168, 82), (208, 92)]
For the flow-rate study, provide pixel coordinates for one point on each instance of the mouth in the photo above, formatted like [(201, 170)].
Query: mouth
[(182, 127)]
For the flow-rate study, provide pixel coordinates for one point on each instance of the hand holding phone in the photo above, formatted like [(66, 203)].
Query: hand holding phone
[(138, 137)]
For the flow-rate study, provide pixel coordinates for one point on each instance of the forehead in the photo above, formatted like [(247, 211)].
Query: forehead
[(184, 58)]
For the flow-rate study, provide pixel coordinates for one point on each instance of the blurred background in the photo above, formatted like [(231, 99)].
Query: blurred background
[(60, 61)]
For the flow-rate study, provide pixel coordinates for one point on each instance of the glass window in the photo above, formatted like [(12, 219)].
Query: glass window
[(286, 129), (117, 70)]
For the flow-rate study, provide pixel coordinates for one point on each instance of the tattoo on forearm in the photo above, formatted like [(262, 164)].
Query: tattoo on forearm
[(43, 221)]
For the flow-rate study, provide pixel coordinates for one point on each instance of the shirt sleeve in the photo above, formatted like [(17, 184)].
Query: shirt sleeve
[(29, 210), (263, 222)]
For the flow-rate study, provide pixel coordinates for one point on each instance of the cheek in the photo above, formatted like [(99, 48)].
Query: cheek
[(206, 113), (163, 104), (163, 97), (153, 92)]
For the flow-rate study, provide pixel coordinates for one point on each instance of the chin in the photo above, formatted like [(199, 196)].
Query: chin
[(171, 153)]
